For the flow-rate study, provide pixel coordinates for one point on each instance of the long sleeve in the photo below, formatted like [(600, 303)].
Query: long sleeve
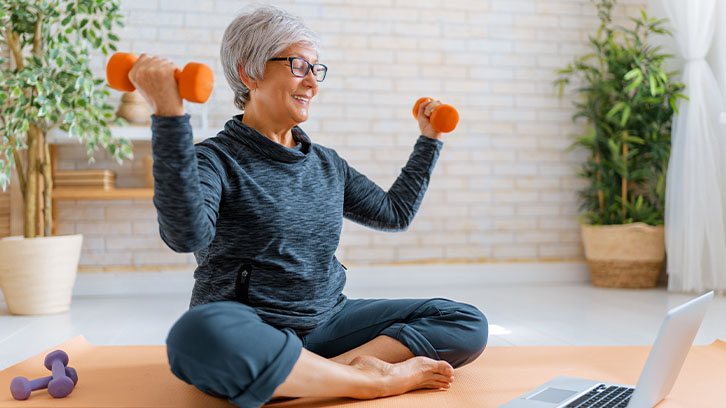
[(366, 203), (187, 185)]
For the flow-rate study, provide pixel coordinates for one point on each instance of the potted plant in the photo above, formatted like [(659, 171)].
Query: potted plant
[(47, 83), (628, 101)]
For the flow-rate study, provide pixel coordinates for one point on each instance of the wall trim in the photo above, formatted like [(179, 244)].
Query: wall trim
[(426, 275), (520, 273)]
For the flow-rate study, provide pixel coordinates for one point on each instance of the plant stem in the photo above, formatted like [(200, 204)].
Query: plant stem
[(47, 192), (624, 182), (38, 36), (31, 187), (14, 43), (43, 167), (600, 198), (18, 166)]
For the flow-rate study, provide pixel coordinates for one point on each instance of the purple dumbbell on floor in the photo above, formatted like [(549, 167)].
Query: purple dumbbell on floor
[(60, 385), (21, 387)]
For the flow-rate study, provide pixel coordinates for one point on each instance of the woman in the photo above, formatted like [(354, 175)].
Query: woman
[(262, 207)]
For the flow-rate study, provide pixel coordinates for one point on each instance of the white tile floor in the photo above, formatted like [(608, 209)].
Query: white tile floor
[(529, 304)]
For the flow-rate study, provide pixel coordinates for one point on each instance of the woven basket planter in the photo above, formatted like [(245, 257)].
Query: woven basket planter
[(624, 256), (37, 274)]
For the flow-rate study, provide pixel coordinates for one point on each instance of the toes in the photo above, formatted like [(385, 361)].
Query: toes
[(435, 366), (443, 378), (438, 385), (445, 368)]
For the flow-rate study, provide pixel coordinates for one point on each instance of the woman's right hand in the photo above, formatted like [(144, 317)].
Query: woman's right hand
[(154, 78)]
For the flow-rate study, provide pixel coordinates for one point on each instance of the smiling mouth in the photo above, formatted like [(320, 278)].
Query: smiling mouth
[(301, 100)]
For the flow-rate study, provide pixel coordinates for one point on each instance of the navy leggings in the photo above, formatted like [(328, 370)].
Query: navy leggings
[(225, 349)]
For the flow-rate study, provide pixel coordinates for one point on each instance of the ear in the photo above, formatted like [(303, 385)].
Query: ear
[(249, 83)]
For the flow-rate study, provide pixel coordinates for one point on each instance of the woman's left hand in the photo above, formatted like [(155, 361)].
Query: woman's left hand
[(424, 119)]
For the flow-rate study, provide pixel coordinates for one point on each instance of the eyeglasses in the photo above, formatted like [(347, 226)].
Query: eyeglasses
[(300, 67)]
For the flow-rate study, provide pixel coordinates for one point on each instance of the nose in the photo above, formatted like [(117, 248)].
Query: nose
[(310, 80)]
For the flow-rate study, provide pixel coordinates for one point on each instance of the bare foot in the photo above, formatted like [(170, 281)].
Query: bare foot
[(412, 374)]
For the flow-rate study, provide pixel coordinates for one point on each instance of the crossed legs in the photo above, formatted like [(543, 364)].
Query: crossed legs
[(373, 348)]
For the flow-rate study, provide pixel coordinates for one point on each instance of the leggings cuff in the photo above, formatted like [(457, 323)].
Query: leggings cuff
[(274, 375)]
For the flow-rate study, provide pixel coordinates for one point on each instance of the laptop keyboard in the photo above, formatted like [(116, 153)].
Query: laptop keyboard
[(604, 396)]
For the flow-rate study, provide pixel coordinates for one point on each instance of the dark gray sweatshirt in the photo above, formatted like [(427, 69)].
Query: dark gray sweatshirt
[(264, 220)]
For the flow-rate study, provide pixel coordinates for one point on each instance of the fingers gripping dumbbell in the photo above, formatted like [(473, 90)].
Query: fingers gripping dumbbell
[(444, 118), (195, 82), (61, 385), (21, 387)]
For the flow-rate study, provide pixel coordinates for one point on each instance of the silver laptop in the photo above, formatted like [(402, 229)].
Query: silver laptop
[(664, 363)]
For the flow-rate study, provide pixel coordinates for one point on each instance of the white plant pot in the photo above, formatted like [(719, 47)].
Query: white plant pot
[(37, 274)]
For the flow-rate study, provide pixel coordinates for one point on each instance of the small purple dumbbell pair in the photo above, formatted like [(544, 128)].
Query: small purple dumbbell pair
[(59, 385)]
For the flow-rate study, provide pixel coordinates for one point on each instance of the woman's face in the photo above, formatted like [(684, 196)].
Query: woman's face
[(282, 96)]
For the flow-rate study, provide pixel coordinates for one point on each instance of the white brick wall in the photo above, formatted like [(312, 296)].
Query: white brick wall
[(504, 189)]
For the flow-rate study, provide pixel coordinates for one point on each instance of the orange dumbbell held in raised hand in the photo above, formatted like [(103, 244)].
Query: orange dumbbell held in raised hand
[(195, 81), (444, 118)]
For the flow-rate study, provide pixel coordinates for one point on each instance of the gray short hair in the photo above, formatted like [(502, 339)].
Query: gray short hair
[(256, 36)]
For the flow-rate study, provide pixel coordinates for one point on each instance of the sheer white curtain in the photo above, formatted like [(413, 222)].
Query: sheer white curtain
[(718, 62), (717, 55), (695, 218), (717, 59)]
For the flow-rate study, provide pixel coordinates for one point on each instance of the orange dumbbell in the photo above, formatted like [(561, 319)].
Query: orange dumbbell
[(195, 81), (444, 118)]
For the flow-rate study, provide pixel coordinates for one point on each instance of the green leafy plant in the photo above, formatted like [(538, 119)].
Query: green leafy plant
[(47, 83), (628, 101)]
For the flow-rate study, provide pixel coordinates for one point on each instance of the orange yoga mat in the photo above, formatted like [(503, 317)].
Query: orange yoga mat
[(139, 376)]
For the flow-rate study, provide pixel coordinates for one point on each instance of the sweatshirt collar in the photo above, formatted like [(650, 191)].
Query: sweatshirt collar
[(266, 147)]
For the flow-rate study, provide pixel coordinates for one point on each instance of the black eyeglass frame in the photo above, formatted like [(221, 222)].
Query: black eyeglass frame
[(310, 66)]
